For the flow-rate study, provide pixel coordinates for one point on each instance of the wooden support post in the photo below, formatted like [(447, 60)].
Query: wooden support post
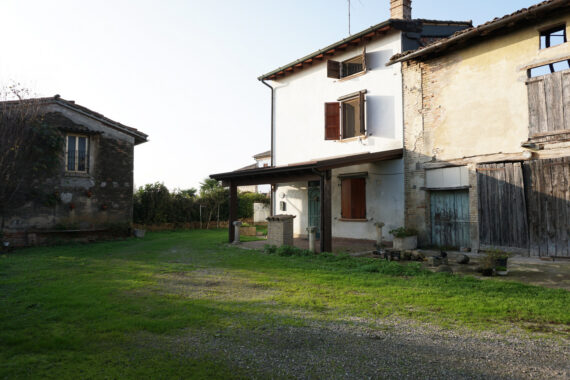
[(233, 210), (326, 220)]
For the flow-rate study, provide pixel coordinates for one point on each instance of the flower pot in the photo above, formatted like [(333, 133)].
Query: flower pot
[(405, 243)]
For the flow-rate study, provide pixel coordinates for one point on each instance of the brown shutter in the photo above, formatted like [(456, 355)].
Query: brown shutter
[(332, 121), (345, 198), (364, 59), (362, 114), (333, 69), (358, 198)]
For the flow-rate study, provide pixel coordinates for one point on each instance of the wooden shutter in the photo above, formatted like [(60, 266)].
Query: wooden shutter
[(345, 198), (549, 103), (358, 198), (364, 58), (362, 114), (333, 69), (353, 198), (332, 121)]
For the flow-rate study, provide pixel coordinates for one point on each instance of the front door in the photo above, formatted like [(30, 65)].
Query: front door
[(315, 206)]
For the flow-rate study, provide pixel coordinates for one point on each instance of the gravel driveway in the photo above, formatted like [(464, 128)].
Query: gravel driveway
[(393, 349)]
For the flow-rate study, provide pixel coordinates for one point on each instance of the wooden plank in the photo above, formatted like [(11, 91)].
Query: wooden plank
[(551, 209), (566, 98), (483, 207), (531, 197), (326, 213), (560, 173), (553, 96), (567, 181), (537, 107), (522, 220)]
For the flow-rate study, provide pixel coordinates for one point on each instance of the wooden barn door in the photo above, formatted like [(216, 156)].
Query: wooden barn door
[(450, 218), (548, 195), (502, 205)]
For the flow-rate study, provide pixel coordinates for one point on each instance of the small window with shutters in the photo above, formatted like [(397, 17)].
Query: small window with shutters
[(353, 198), (344, 69), (346, 118)]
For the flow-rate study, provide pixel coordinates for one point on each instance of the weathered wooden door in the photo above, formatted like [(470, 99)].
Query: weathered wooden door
[(450, 218), (548, 194), (502, 205), (315, 206)]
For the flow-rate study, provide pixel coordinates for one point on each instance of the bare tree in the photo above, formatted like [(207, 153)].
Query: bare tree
[(30, 148)]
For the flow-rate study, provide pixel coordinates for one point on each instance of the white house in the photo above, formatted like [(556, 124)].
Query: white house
[(337, 130)]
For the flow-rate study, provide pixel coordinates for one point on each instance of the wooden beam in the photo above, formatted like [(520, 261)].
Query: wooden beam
[(326, 213), (233, 210)]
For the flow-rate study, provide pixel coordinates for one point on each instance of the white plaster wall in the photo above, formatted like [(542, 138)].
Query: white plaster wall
[(295, 195), (384, 201), (300, 99)]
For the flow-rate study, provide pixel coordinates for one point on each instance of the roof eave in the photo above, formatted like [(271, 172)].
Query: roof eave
[(483, 30)]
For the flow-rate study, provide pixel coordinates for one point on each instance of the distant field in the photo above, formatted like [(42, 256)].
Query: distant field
[(120, 309)]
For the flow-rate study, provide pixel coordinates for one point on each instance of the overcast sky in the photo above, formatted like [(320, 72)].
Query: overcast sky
[(184, 72)]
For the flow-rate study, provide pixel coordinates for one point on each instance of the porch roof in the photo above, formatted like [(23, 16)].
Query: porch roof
[(302, 170)]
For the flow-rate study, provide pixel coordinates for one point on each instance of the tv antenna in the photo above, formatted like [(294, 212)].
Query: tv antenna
[(348, 17)]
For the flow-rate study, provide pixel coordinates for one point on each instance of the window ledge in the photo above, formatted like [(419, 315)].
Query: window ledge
[(352, 220), (351, 139), (352, 76), (77, 174)]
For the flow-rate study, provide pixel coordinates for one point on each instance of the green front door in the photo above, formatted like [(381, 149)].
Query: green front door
[(315, 206)]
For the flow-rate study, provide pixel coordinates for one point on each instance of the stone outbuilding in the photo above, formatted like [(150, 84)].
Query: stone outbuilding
[(91, 191)]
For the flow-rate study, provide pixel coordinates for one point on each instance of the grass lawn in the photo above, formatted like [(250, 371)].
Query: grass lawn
[(106, 309)]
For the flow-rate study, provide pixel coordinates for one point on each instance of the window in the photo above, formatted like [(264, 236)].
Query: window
[(549, 68), (76, 156), (347, 68), (548, 104), (552, 37), (353, 198), (346, 118)]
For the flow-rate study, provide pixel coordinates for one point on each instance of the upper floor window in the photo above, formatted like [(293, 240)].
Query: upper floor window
[(76, 153), (346, 118), (347, 68), (553, 36)]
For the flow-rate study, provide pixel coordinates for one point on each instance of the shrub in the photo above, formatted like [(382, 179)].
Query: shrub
[(403, 232)]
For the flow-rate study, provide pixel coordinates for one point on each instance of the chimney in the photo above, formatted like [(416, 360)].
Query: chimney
[(401, 9)]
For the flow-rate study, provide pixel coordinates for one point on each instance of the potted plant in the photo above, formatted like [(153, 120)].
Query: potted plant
[(497, 260), (404, 238), (247, 230)]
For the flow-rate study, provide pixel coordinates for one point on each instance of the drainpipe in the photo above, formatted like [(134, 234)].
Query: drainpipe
[(271, 146)]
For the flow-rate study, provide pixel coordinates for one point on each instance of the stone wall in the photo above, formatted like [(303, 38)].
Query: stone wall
[(98, 199)]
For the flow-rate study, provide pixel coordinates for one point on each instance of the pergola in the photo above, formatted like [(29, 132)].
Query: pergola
[(305, 171)]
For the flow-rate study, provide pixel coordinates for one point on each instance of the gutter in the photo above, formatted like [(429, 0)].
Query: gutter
[(271, 147)]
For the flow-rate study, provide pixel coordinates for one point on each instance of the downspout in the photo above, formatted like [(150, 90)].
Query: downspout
[(271, 146)]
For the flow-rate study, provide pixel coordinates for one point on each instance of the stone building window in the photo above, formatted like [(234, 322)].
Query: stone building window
[(553, 36), (76, 157)]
